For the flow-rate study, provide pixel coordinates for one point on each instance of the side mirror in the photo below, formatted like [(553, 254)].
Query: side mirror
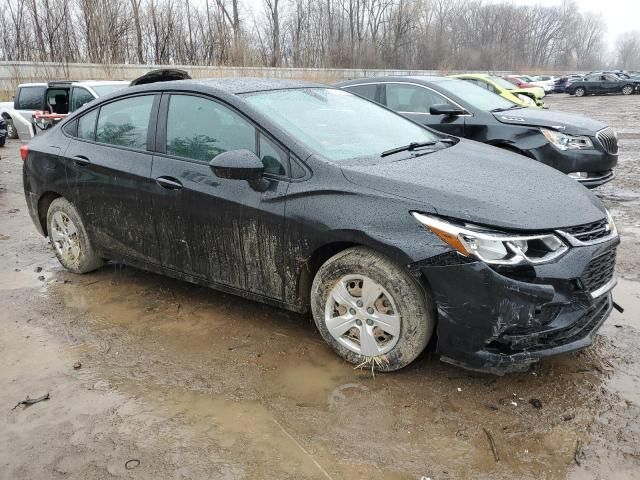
[(237, 165), (445, 109)]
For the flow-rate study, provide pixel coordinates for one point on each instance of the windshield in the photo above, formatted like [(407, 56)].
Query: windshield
[(503, 83), (102, 90), (478, 97), (337, 124)]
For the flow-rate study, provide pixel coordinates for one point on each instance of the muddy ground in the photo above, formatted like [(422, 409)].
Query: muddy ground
[(195, 384)]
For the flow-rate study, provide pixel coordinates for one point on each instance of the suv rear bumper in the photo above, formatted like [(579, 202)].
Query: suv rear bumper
[(501, 322)]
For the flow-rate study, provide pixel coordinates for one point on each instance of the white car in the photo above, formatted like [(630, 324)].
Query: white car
[(58, 97), (545, 81)]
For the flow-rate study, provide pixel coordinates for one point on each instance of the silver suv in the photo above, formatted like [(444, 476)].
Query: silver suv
[(57, 98)]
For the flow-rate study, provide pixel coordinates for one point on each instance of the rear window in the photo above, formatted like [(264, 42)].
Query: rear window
[(30, 98), (125, 122)]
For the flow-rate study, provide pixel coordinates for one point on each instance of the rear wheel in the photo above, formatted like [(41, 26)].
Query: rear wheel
[(370, 310), (69, 239), (627, 90), (11, 129), (580, 91)]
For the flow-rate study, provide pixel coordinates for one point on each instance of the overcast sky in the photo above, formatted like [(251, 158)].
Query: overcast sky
[(620, 15)]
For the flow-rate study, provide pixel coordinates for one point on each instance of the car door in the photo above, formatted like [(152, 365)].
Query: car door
[(28, 99), (611, 84), (226, 231), (414, 102), (108, 165)]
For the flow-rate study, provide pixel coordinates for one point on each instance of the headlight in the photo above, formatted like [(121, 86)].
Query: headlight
[(562, 141), (495, 247)]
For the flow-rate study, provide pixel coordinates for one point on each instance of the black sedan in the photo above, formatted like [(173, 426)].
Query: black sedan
[(585, 149), (311, 198), (601, 84)]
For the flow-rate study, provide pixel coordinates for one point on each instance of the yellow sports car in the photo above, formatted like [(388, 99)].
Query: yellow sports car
[(527, 97)]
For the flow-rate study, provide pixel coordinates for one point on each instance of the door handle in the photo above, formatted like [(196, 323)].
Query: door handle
[(169, 183), (81, 160)]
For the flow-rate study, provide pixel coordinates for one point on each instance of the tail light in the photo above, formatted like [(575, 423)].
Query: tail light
[(24, 151)]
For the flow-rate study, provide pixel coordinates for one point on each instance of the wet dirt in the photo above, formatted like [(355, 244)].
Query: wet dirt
[(198, 384)]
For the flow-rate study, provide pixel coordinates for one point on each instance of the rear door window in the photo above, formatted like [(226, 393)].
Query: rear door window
[(30, 98), (125, 122), (200, 129), (366, 91), (87, 126), (79, 97)]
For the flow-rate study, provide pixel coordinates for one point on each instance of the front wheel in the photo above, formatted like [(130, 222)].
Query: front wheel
[(580, 92), (370, 310), (69, 238), (627, 90)]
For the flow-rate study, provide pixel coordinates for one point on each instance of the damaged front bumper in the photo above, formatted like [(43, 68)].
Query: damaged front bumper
[(502, 320)]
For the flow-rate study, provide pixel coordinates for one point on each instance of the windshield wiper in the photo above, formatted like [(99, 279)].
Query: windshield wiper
[(414, 146), (504, 109)]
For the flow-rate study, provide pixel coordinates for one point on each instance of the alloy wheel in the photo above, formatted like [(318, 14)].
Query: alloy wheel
[(627, 90), (362, 316)]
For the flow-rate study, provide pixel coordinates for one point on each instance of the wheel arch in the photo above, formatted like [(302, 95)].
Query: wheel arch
[(44, 202), (324, 252)]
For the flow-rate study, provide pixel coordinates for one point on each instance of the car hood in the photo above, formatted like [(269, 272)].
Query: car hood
[(481, 184), (564, 122)]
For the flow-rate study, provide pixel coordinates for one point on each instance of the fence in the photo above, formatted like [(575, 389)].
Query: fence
[(14, 73)]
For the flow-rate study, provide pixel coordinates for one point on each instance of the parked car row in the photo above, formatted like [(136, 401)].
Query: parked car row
[(584, 149), (371, 211)]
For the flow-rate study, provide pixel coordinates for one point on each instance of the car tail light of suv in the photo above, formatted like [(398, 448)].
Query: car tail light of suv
[(24, 151)]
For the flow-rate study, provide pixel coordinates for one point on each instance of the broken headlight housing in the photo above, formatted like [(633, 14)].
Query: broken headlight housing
[(562, 141), (494, 247)]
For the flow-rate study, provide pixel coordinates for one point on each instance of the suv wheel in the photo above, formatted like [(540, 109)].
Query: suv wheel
[(69, 239), (370, 310), (627, 90), (580, 91)]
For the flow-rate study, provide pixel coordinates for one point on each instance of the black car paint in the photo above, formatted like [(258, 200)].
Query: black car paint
[(602, 84), (517, 129), (267, 245)]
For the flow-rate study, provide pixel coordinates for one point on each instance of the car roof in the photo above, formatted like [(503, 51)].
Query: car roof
[(231, 85), (425, 79)]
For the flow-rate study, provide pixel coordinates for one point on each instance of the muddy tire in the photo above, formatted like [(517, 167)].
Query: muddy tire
[(68, 238), (12, 133), (627, 90), (371, 310), (580, 92)]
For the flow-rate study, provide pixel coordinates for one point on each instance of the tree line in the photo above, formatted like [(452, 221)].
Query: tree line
[(403, 34)]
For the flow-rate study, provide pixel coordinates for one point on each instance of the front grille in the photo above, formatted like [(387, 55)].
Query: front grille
[(599, 272), (589, 231), (609, 140)]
